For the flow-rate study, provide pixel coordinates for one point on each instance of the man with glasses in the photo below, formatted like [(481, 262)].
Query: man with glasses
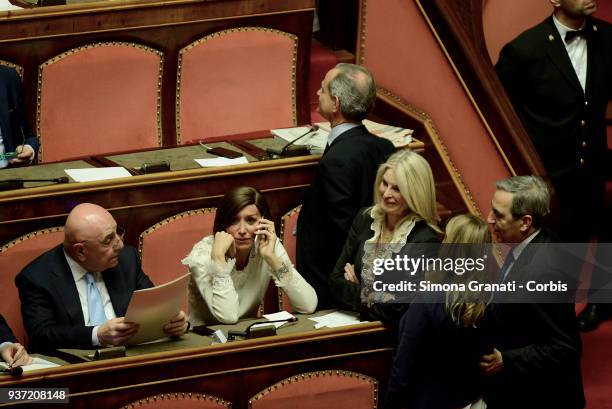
[(18, 145), (76, 294)]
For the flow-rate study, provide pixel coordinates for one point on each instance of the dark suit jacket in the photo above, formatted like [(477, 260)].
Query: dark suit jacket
[(436, 364), (348, 294), (50, 305), (539, 342), (565, 123), (342, 185), (6, 335), (13, 123)]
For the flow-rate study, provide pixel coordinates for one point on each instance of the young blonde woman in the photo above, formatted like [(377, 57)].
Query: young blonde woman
[(443, 334), (231, 269), (404, 214)]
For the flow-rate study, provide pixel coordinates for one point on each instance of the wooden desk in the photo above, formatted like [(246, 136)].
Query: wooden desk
[(141, 201), (235, 371)]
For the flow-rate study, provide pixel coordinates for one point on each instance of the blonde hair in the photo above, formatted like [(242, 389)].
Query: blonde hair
[(416, 185), (467, 307)]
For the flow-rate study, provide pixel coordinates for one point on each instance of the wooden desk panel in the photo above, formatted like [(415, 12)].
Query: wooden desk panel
[(234, 371), (141, 201)]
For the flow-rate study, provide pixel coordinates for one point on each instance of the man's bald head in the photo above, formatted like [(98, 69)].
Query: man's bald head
[(84, 222), (90, 237)]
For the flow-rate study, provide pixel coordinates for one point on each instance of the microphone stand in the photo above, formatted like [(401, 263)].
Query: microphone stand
[(297, 151), (250, 332), (10, 184)]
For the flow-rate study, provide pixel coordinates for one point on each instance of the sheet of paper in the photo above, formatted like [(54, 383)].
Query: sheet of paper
[(282, 315), (37, 363), (400, 137), (337, 319), (214, 162), (290, 134), (317, 139), (6, 5), (93, 174), (152, 308)]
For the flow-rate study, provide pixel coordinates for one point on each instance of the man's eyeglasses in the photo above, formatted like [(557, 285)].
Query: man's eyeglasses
[(112, 238)]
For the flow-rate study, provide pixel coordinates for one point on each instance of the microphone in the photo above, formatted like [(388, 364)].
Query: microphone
[(296, 151), (63, 179), (10, 184), (14, 371), (256, 332)]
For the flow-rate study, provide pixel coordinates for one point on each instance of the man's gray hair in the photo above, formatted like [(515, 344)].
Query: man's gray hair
[(356, 90), (530, 197)]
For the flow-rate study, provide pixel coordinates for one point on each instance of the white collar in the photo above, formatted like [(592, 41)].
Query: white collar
[(563, 29), (78, 271)]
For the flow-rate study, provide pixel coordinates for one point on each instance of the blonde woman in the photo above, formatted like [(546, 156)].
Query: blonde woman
[(404, 212), (443, 334)]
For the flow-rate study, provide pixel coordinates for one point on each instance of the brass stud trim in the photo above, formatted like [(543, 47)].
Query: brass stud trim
[(202, 40), (75, 50)]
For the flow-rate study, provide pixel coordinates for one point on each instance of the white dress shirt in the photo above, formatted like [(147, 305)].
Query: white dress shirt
[(576, 50), (78, 273)]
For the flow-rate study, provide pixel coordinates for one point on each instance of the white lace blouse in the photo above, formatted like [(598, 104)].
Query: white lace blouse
[(222, 294)]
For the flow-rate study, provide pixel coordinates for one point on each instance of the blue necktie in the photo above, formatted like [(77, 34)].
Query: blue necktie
[(507, 263), (94, 302)]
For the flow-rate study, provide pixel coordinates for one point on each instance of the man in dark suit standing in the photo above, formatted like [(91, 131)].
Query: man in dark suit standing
[(75, 295), (536, 358), (15, 132), (558, 77), (12, 352), (344, 180)]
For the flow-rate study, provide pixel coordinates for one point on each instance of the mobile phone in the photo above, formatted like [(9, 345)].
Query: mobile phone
[(223, 152), (203, 330)]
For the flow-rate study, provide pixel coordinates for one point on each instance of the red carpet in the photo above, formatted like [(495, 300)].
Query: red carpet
[(597, 367)]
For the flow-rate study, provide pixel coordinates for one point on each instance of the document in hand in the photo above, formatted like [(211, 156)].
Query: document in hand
[(152, 308)]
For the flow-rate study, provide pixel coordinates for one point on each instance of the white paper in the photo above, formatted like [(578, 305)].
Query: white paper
[(290, 134), (400, 137), (93, 174), (7, 5), (152, 308), (316, 139), (282, 315), (337, 319), (37, 363), (214, 162)]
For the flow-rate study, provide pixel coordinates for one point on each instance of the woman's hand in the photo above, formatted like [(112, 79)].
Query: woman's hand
[(349, 273), (266, 238), (223, 245)]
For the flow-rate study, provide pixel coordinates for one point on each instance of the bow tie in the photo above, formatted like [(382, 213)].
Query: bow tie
[(570, 35)]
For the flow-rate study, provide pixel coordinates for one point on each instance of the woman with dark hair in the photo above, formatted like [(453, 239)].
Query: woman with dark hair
[(231, 270), (444, 333)]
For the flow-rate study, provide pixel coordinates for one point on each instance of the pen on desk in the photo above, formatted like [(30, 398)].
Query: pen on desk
[(205, 147)]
